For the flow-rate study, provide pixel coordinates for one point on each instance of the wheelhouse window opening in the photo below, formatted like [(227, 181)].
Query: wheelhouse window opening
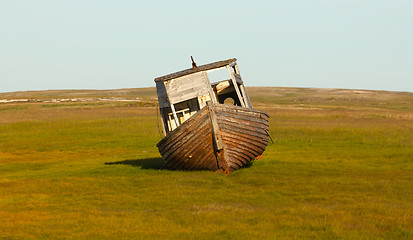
[(229, 86)]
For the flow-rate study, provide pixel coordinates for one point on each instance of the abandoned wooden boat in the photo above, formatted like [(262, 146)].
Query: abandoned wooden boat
[(203, 132)]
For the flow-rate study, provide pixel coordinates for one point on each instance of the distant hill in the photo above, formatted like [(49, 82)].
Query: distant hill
[(259, 96), (151, 92), (47, 94)]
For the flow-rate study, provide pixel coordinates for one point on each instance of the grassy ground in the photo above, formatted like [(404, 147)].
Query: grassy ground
[(340, 167)]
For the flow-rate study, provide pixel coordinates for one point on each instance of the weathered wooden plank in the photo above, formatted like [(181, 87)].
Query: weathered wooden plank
[(188, 125), (216, 136), (162, 96), (187, 87), (210, 90), (187, 94), (242, 118), (195, 121), (245, 145), (233, 165), (254, 142), (203, 100), (244, 93), (240, 109), (184, 139), (237, 161), (234, 82), (174, 114), (260, 129), (180, 151), (201, 68), (244, 139), (184, 81), (236, 68), (200, 153), (215, 129), (162, 112), (189, 144), (242, 113), (256, 124), (205, 155), (247, 99), (235, 153), (222, 85), (191, 148), (238, 78)]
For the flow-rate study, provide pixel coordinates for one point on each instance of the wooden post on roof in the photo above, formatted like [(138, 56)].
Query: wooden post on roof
[(234, 82)]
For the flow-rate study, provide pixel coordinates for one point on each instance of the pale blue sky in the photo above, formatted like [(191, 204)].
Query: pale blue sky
[(107, 44)]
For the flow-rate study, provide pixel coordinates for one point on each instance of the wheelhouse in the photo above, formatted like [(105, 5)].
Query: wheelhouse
[(183, 94)]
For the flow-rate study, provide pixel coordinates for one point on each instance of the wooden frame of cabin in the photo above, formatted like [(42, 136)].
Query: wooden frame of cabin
[(182, 94)]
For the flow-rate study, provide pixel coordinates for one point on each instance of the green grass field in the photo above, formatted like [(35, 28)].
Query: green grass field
[(340, 167)]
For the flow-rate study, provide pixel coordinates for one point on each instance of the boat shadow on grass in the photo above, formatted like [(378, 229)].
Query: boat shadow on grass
[(145, 163), (152, 163)]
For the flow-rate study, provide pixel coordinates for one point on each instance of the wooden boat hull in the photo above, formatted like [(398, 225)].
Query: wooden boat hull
[(218, 137)]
